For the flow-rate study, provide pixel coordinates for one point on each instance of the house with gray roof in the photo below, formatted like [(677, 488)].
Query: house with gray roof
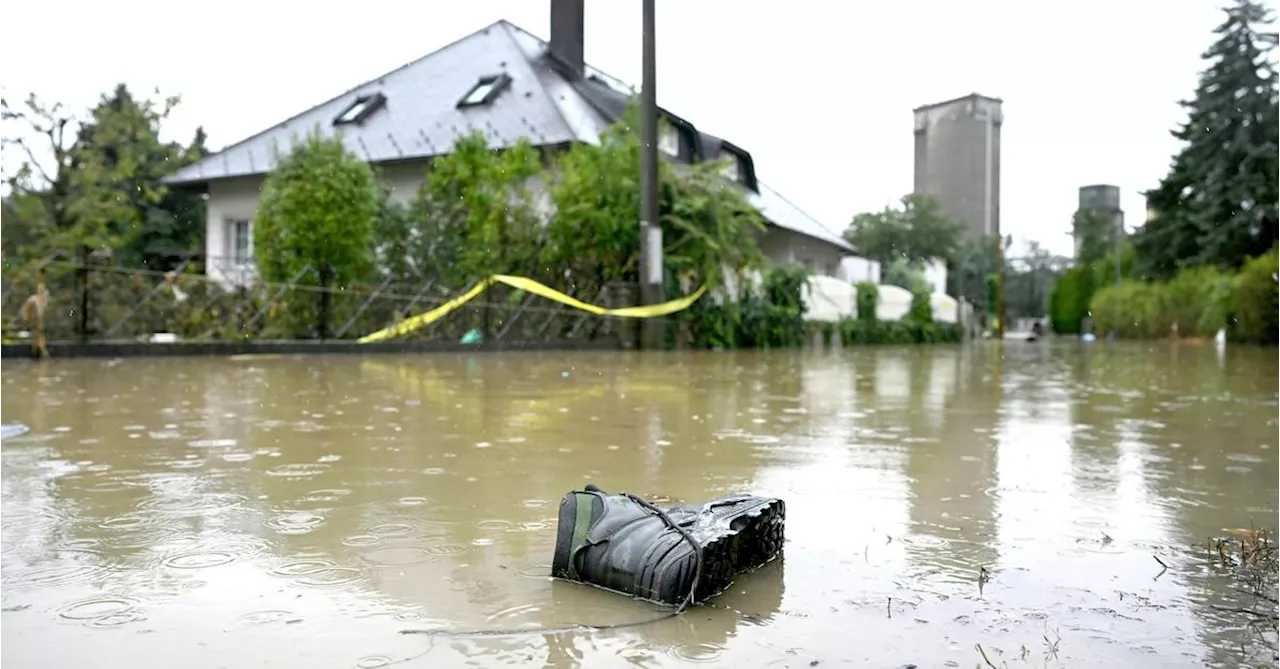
[(506, 83)]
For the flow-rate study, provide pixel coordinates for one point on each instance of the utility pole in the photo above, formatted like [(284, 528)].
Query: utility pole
[(1118, 232), (1000, 324), (651, 289)]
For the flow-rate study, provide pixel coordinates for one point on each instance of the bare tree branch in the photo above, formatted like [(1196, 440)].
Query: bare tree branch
[(51, 122)]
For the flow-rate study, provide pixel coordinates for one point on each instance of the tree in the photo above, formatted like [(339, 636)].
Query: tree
[(175, 224), (318, 209), (917, 231), (1218, 204), (474, 213), (707, 224), (1029, 279), (103, 185), (904, 275), (972, 267), (1095, 234)]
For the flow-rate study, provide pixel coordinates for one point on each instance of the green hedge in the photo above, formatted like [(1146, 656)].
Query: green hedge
[(772, 318), (856, 332), (1197, 302), (1072, 296), (1255, 302), (1069, 301), (917, 327)]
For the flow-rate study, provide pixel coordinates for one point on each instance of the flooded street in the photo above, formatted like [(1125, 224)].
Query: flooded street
[(301, 512)]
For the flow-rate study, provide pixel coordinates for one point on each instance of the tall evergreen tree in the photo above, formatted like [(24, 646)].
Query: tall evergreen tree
[(1218, 204)]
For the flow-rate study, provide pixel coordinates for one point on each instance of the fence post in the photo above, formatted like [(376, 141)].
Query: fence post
[(625, 294), (486, 325), (82, 276), (326, 272)]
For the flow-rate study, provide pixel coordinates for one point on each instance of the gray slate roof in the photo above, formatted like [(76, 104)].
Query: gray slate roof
[(421, 119)]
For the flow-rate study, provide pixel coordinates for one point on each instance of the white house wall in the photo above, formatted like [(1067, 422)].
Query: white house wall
[(787, 248), (229, 200)]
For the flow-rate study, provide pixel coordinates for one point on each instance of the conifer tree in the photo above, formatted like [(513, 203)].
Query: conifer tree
[(1218, 203)]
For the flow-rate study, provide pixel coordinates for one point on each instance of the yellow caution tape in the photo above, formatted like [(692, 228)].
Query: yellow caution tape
[(530, 286)]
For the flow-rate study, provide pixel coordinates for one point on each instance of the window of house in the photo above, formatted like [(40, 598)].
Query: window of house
[(485, 90), (239, 242), (360, 109), (732, 170), (669, 141)]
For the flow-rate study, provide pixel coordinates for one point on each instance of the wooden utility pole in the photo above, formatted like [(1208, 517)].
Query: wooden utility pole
[(1000, 324), (651, 289)]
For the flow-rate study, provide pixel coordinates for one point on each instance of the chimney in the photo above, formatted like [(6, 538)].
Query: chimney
[(567, 25)]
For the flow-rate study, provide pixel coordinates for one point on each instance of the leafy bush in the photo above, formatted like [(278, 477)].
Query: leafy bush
[(1254, 302), (857, 332), (916, 327), (773, 317), (1069, 300), (1197, 302), (314, 227), (905, 275), (1132, 309), (868, 300), (921, 309), (318, 208)]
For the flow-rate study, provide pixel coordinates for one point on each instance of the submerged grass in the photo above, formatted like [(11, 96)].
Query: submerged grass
[(1252, 558)]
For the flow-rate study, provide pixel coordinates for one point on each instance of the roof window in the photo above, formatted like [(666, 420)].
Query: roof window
[(362, 108), (669, 140), (485, 91), (737, 165), (731, 167)]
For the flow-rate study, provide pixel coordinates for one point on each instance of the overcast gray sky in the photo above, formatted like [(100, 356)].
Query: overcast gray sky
[(820, 92)]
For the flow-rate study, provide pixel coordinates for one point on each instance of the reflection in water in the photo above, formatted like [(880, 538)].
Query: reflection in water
[(302, 511)]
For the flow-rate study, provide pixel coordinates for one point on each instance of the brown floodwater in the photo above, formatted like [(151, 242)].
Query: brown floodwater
[(302, 511)]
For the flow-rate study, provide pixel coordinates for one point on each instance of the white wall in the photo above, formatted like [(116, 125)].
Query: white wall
[(935, 274), (828, 299), (855, 269), (229, 200), (786, 248)]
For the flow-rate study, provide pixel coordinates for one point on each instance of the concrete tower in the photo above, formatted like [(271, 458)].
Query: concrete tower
[(957, 160)]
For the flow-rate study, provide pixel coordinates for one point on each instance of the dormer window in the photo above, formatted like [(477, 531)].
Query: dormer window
[(669, 140), (736, 165), (731, 166), (485, 91), (362, 108)]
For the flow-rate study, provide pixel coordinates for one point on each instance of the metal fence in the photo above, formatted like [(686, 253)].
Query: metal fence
[(102, 302)]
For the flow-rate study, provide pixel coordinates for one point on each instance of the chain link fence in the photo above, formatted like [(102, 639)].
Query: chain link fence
[(102, 302)]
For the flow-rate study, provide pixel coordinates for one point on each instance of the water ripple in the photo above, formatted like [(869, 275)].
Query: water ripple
[(298, 470), (445, 549), (46, 576), (300, 522), (398, 556), (256, 618), (200, 503), (97, 608), (199, 560)]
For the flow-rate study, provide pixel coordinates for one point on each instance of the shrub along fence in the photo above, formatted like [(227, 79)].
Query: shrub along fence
[(1197, 302), (108, 303), (102, 302)]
